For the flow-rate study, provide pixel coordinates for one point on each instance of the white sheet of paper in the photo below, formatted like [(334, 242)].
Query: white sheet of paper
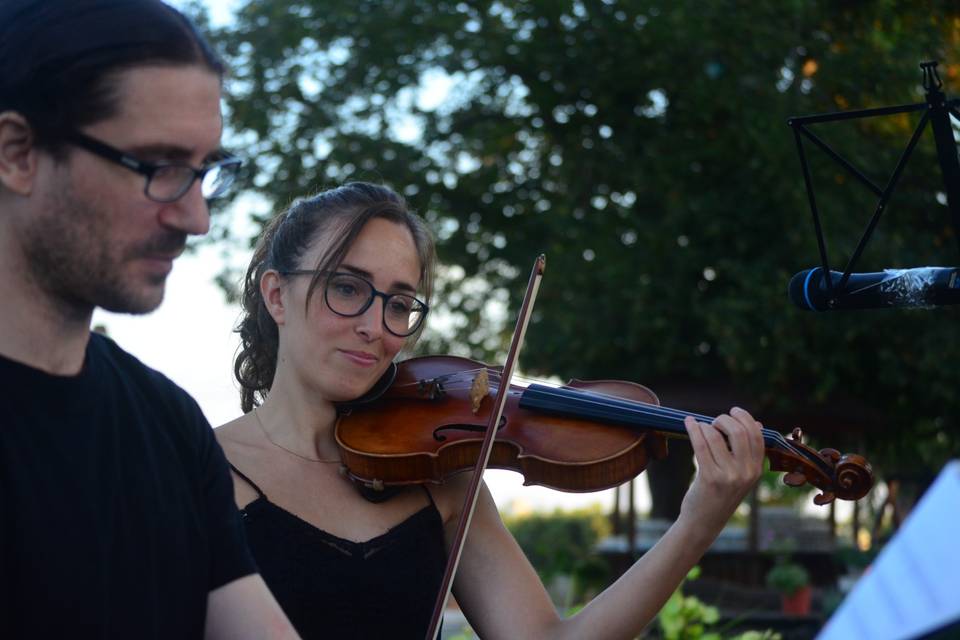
[(913, 587)]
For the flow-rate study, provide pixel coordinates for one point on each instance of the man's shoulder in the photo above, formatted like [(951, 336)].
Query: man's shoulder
[(136, 375), (105, 350)]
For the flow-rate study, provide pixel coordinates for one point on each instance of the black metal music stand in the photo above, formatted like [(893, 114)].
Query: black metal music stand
[(937, 110)]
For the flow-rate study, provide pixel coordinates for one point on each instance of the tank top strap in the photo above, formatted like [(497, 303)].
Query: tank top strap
[(429, 496), (250, 482)]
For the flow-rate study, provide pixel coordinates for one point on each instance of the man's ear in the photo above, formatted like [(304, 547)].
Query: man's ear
[(271, 290), (18, 155)]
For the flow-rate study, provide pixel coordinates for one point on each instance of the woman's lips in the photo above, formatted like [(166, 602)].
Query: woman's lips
[(360, 358)]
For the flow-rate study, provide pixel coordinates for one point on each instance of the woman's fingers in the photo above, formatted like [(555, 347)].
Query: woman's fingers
[(698, 440), (732, 446), (753, 431)]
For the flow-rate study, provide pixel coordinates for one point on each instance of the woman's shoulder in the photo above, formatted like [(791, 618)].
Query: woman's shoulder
[(238, 446), (234, 433), (239, 441)]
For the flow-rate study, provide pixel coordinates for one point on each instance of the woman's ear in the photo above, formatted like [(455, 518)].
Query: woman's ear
[(18, 155), (271, 290)]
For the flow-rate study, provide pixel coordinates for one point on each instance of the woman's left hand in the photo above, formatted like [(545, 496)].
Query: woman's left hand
[(729, 454)]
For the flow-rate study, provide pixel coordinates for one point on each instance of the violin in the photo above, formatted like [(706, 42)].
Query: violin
[(427, 422)]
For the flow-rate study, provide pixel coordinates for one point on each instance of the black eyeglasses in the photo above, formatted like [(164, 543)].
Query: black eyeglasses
[(166, 181), (350, 295)]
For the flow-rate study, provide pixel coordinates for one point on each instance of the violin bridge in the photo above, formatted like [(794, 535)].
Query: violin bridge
[(479, 390)]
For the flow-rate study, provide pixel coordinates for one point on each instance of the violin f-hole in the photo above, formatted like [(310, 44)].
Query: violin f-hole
[(475, 428)]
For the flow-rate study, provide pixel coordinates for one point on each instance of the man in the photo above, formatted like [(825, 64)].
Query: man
[(116, 510)]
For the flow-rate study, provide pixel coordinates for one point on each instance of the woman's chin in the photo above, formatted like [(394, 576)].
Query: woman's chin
[(350, 392)]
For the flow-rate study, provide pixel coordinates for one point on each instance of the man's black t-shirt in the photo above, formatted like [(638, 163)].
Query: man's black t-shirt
[(116, 507)]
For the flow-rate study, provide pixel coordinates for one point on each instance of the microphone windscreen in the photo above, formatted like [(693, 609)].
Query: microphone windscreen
[(800, 288)]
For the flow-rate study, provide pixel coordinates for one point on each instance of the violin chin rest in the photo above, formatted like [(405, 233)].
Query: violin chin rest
[(372, 494), (377, 390)]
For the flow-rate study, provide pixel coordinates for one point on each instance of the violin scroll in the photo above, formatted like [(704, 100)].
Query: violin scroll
[(844, 476), (853, 474)]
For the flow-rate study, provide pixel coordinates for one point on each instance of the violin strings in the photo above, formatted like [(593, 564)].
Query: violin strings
[(772, 438), (644, 409), (594, 397), (467, 376), (638, 407), (770, 435)]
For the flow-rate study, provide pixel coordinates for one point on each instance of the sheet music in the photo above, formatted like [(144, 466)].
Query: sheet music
[(913, 587)]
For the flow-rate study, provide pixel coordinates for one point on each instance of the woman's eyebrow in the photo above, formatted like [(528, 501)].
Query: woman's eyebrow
[(363, 273)]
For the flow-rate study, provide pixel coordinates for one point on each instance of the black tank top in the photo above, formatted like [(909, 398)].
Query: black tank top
[(329, 587)]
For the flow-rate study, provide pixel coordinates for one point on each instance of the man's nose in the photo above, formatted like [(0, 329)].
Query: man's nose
[(189, 214)]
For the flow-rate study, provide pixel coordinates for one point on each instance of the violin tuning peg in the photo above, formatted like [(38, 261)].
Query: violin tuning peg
[(795, 479), (824, 498), (797, 435), (830, 454)]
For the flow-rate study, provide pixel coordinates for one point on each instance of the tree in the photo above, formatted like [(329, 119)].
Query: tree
[(642, 147)]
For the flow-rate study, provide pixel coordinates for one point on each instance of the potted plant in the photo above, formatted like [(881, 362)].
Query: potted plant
[(792, 582)]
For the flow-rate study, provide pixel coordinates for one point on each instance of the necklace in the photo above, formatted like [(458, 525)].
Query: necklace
[(290, 451)]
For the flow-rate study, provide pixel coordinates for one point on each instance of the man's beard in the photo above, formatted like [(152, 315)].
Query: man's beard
[(72, 256)]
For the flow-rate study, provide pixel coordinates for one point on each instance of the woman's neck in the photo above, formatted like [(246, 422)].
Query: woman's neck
[(300, 425)]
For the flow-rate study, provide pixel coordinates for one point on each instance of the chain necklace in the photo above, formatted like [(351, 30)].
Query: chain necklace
[(290, 451)]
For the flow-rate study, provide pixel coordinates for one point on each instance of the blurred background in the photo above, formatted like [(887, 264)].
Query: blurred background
[(643, 147)]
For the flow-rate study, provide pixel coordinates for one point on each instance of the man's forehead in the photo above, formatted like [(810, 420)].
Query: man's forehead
[(168, 107)]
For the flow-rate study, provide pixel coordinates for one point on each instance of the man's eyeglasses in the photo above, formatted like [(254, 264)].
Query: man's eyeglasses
[(166, 181), (349, 295)]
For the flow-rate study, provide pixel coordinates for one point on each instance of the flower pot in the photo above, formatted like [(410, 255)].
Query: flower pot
[(797, 604)]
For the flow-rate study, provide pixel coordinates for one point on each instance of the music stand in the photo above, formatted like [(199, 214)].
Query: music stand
[(936, 110)]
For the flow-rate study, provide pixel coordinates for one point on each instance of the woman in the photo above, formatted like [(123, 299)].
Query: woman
[(332, 295)]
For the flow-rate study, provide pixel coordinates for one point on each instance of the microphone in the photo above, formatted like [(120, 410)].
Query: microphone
[(917, 287)]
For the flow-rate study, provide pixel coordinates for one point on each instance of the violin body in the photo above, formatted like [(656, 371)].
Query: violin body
[(438, 416)]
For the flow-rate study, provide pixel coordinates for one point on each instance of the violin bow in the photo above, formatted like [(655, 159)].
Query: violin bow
[(473, 489)]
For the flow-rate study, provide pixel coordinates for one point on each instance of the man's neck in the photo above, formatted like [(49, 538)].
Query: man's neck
[(37, 328)]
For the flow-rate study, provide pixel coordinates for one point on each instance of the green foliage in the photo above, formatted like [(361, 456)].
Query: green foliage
[(854, 559), (688, 618), (787, 577), (766, 634), (562, 544), (643, 147)]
